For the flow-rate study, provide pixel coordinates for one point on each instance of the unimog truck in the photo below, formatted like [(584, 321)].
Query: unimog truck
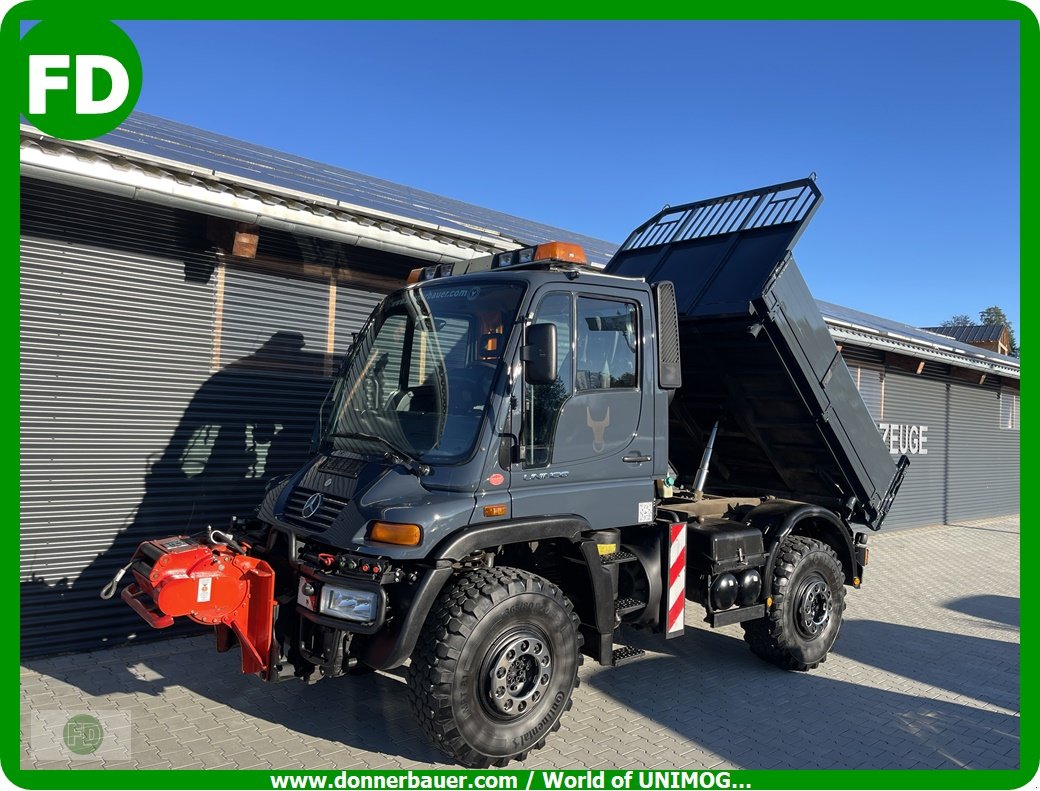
[(521, 454)]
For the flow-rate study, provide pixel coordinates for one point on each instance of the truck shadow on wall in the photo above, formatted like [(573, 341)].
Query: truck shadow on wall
[(249, 423)]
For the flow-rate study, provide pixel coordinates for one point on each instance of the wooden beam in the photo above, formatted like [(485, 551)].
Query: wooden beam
[(973, 376), (330, 328), (239, 239), (321, 273), (903, 363), (218, 317)]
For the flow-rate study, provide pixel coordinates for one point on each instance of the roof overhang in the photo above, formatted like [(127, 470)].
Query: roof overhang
[(113, 170), (873, 338)]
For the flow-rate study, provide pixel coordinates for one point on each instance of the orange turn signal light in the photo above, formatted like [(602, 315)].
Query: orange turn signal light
[(494, 510), (561, 251), (395, 533), (414, 275)]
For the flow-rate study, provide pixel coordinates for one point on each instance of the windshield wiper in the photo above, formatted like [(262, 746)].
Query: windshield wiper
[(406, 460)]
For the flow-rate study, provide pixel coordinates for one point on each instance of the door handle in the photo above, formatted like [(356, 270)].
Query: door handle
[(635, 458)]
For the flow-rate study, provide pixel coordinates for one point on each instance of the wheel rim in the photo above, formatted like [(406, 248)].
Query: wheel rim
[(814, 607), (517, 672)]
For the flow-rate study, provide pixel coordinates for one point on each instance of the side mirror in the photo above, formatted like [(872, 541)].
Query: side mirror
[(539, 354)]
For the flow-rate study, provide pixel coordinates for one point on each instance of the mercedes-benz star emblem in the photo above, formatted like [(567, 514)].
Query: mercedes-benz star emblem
[(310, 508)]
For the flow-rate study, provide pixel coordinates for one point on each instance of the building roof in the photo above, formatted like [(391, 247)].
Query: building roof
[(971, 333), (153, 159), (866, 329), (151, 135)]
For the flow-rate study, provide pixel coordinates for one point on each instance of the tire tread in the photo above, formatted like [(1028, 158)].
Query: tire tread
[(766, 636), (467, 599)]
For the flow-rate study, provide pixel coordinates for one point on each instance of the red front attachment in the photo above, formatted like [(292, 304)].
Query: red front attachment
[(212, 585)]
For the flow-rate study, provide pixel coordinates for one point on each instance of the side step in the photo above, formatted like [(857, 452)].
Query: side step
[(617, 557), (628, 605), (626, 653)]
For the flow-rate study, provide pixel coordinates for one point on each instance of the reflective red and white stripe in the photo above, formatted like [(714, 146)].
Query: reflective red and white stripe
[(676, 580)]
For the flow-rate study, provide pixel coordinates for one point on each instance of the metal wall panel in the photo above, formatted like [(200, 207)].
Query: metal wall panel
[(984, 458), (912, 403), (116, 314), (159, 395)]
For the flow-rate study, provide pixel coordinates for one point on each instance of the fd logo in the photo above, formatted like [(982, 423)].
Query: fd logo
[(78, 78)]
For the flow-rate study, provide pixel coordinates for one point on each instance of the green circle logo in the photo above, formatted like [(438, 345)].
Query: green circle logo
[(83, 734), (79, 79)]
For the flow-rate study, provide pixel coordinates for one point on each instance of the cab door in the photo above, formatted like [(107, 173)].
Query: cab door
[(586, 440)]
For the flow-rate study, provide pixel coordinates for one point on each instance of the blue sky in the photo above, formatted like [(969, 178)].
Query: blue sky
[(911, 127)]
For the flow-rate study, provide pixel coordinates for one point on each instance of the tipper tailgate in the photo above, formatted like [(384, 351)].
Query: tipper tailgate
[(758, 358)]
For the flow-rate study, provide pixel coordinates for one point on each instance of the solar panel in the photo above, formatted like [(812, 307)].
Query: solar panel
[(197, 148), (200, 149), (890, 327)]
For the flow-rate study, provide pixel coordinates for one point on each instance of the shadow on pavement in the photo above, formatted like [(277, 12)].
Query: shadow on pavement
[(1001, 609), (367, 712), (707, 688), (715, 693), (973, 667)]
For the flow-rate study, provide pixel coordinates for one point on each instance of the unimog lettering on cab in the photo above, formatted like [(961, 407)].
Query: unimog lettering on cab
[(521, 454)]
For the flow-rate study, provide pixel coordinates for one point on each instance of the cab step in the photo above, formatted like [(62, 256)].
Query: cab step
[(626, 653), (620, 556), (628, 605)]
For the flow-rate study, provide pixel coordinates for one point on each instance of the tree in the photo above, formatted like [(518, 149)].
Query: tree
[(958, 320), (995, 316)]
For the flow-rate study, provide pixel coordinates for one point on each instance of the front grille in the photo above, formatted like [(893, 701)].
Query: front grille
[(322, 518)]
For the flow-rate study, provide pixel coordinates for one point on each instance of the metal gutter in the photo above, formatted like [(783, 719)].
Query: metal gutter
[(101, 167)]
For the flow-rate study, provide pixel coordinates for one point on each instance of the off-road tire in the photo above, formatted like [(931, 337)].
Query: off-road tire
[(808, 593), (480, 617)]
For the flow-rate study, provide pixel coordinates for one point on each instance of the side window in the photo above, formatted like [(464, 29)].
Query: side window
[(1009, 411), (871, 385), (607, 344), (542, 403)]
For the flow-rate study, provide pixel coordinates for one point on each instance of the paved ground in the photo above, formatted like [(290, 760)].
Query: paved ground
[(924, 674)]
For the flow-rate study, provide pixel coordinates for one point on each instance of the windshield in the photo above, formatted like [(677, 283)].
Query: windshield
[(420, 375)]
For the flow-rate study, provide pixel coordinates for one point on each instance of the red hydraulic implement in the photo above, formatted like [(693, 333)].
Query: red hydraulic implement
[(212, 585)]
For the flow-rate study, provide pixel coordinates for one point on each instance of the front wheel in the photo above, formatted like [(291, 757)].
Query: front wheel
[(495, 666), (808, 603)]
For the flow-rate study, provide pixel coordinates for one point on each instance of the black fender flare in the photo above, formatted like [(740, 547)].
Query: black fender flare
[(391, 647), (511, 531), (778, 519)]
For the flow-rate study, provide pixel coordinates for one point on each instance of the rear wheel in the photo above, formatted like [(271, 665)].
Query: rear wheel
[(808, 604), (495, 666)]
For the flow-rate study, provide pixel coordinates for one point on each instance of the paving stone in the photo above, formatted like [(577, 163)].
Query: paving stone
[(902, 688)]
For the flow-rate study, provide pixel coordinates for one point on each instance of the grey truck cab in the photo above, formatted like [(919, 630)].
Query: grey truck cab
[(521, 454)]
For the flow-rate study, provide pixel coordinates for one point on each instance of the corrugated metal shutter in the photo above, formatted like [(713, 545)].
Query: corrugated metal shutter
[(139, 420), (910, 404), (984, 458), (116, 339), (352, 310)]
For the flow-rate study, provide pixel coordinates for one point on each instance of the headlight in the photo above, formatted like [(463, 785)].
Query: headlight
[(347, 603)]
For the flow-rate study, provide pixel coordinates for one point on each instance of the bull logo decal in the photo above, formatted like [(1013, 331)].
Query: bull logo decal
[(598, 427)]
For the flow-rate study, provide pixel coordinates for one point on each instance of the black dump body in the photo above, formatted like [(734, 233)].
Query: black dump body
[(757, 356)]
